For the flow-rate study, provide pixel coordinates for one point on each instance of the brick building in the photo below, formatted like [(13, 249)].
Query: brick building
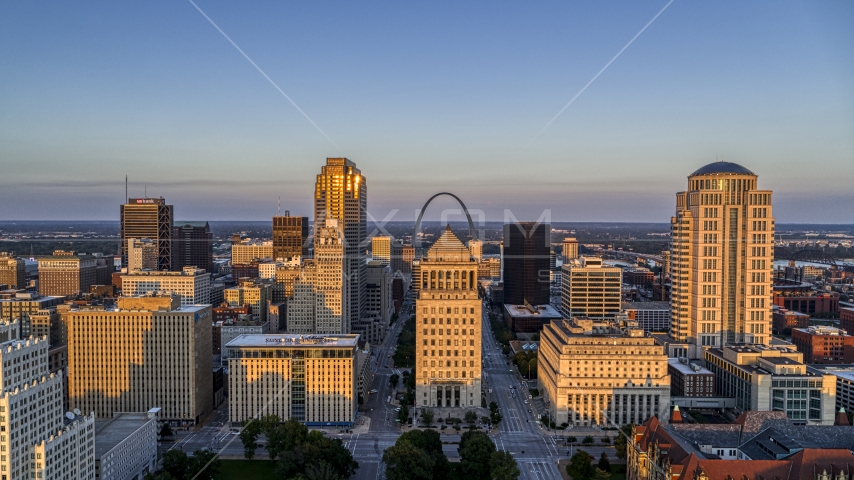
[(689, 380), (846, 319), (824, 344), (783, 319), (813, 303)]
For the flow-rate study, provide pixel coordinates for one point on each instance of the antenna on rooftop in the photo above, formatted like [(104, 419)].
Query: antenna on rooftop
[(126, 189), (280, 206)]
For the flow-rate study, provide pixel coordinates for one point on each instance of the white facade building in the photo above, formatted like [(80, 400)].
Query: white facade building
[(36, 439), (319, 303), (142, 254), (192, 284), (126, 446)]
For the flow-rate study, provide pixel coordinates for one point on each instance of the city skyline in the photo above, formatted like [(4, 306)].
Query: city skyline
[(145, 89)]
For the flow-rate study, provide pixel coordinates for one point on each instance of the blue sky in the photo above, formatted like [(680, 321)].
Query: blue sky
[(424, 97)]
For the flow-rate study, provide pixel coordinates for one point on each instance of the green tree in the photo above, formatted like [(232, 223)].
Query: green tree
[(204, 465), (393, 380), (571, 440), (604, 464), (485, 420), (502, 466), (165, 430), (158, 476), (532, 364), (427, 416), (622, 440), (405, 461), (599, 474), (249, 437), (176, 464), (309, 452), (273, 430), (476, 450), (605, 440), (579, 467), (403, 414), (429, 442), (471, 417), (588, 440), (321, 471), (494, 416)]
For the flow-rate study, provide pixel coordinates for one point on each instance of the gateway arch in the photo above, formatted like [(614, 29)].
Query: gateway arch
[(416, 242)]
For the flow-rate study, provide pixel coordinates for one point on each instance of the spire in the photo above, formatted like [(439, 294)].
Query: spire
[(676, 416), (842, 418)]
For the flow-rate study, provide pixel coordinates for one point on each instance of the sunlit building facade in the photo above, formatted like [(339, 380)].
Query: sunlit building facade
[(722, 255), (319, 301), (37, 438), (590, 288), (311, 378), (448, 327), (148, 352), (341, 193), (600, 373)]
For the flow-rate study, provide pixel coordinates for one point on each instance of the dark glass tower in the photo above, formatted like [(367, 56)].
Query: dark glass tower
[(526, 259), (148, 218), (192, 246), (290, 236)]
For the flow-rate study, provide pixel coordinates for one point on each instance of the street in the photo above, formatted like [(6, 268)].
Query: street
[(535, 449)]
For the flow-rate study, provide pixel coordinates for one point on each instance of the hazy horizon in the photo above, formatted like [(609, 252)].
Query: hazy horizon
[(424, 98)]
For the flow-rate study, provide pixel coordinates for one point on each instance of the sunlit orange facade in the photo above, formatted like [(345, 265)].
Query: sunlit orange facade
[(448, 327), (310, 378), (149, 352)]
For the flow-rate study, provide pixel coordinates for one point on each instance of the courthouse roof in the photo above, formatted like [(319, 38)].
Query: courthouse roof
[(448, 248), (722, 167)]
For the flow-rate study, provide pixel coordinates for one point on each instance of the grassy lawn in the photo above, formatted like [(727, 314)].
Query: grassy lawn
[(258, 469)]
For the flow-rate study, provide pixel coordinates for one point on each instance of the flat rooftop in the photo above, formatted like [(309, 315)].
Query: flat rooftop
[(110, 432), (845, 372), (285, 340), (543, 311), (646, 306), (686, 369)]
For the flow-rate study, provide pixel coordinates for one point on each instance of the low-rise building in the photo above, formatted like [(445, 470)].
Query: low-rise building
[(192, 284), (810, 303), (822, 344), (757, 445), (244, 253), (13, 272), (601, 373), (689, 379), (254, 293), (231, 329), (650, 316), (844, 383), (311, 378), (846, 319), (638, 277), (366, 375), (126, 445), (529, 318), (764, 378), (66, 273), (785, 320)]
